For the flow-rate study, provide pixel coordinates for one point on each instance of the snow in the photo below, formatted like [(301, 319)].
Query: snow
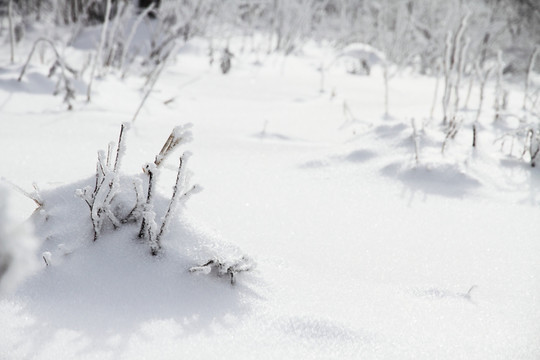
[(360, 251), (17, 245)]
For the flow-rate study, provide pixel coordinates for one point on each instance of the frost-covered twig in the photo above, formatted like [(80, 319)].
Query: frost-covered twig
[(152, 82), (137, 210), (483, 76), (386, 88), (106, 187), (469, 89), (528, 136), (180, 135), (97, 59), (453, 67), (530, 68), (447, 74), (127, 45), (225, 267), (121, 149), (460, 69), (451, 132), (179, 194), (34, 196), (148, 214), (416, 142), (11, 31), (110, 43), (70, 92), (436, 91), (499, 93), (532, 144)]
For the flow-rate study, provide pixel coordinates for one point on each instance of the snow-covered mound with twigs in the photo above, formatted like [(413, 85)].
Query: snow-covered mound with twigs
[(374, 236)]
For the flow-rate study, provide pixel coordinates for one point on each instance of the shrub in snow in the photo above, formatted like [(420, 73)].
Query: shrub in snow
[(64, 83), (225, 62), (111, 201), (100, 197), (182, 190), (103, 197)]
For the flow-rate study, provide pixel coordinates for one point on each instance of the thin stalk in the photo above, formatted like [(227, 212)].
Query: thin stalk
[(11, 31), (136, 24), (100, 49), (532, 60)]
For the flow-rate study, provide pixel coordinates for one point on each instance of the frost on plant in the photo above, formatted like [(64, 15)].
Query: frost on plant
[(223, 267), (181, 193), (108, 201), (99, 198), (64, 83), (149, 229)]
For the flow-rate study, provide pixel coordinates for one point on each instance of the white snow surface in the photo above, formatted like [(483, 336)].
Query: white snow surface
[(361, 252)]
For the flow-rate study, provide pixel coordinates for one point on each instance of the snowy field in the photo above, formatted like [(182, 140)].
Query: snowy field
[(362, 251)]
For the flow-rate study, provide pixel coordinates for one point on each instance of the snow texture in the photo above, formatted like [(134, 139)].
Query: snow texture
[(362, 250)]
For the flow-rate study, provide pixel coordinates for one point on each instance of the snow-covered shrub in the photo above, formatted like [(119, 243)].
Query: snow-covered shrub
[(119, 201), (107, 204), (182, 189), (100, 198)]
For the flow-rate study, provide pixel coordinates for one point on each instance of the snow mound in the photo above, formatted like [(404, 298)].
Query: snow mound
[(17, 244), (443, 179), (116, 279)]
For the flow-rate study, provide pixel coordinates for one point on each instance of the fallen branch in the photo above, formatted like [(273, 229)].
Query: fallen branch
[(225, 267)]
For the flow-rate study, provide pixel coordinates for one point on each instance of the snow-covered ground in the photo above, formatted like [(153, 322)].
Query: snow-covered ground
[(362, 252)]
